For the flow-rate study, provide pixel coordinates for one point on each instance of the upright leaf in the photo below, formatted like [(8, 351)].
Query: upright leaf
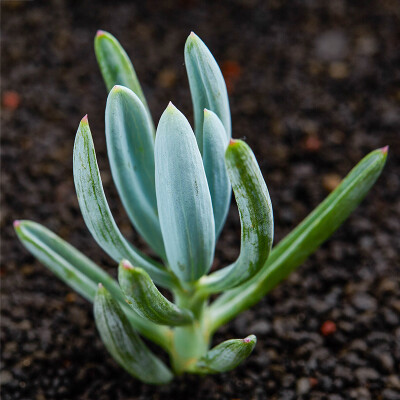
[(215, 143), (145, 299), (115, 65), (80, 273), (183, 198), (304, 240), (207, 86), (123, 342), (130, 146), (226, 356), (97, 214), (256, 218)]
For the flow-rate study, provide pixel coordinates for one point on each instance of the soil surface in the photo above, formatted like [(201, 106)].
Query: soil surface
[(314, 86)]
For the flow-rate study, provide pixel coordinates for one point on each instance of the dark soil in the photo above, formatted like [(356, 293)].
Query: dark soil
[(314, 87)]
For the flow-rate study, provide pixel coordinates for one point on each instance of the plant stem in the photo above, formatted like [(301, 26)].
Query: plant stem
[(189, 342)]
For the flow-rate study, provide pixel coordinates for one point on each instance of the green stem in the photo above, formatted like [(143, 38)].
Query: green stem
[(189, 342)]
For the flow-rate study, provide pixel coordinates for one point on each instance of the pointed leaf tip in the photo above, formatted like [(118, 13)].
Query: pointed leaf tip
[(85, 120), (384, 150), (232, 142), (100, 33), (16, 224), (126, 265)]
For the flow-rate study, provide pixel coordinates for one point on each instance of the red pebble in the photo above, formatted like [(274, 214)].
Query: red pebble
[(328, 328), (313, 382), (312, 143), (11, 100)]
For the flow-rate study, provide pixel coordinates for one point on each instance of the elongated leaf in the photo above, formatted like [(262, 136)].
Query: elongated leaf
[(146, 299), (304, 240), (226, 356), (123, 342), (115, 65), (130, 146), (256, 218), (183, 198), (80, 273), (207, 86), (215, 143), (97, 214)]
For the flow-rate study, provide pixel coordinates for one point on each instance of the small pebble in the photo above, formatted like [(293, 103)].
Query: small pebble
[(303, 386)]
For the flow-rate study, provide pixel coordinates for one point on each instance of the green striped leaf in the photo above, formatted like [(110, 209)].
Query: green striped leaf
[(130, 147), (115, 65), (295, 248), (256, 218), (226, 356), (215, 143), (80, 273), (123, 342), (207, 86), (97, 214), (183, 198), (146, 300)]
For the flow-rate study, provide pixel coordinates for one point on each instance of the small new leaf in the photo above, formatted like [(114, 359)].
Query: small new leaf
[(226, 356), (146, 299)]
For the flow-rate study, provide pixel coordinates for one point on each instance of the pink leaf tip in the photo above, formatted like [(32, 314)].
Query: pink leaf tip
[(84, 120), (246, 340), (126, 265), (385, 149), (100, 286), (232, 142), (100, 33), (16, 224)]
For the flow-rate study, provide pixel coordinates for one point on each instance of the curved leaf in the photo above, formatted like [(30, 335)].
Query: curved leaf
[(183, 198), (130, 147), (256, 218), (146, 299), (80, 273), (97, 214), (303, 240), (207, 86), (226, 356), (123, 342), (215, 143)]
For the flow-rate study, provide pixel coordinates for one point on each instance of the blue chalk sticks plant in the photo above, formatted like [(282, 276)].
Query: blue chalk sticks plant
[(175, 184)]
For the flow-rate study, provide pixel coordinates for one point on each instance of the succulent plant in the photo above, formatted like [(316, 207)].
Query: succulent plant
[(175, 185)]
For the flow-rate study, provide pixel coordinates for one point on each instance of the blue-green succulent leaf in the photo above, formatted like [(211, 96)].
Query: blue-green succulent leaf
[(207, 86), (226, 356), (97, 214), (295, 248), (80, 273), (183, 198), (124, 344), (215, 143), (146, 300), (130, 146), (115, 65), (256, 218)]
